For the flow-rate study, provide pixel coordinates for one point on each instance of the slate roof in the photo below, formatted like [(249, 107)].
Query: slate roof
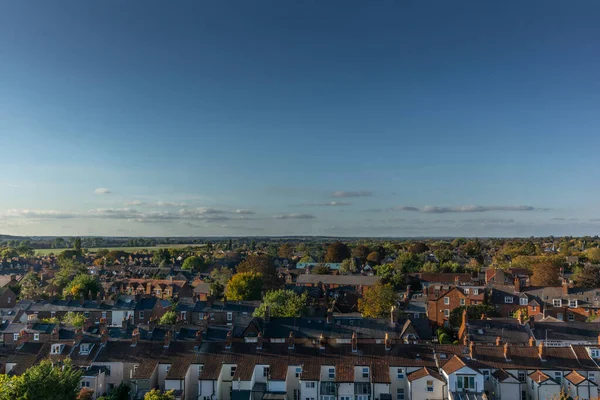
[(423, 372), (341, 280)]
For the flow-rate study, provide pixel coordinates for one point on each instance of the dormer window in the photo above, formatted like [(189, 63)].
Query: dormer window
[(557, 302), (85, 348), (466, 291), (508, 299), (331, 373), (595, 353), (523, 301), (573, 303), (365, 372), (31, 317), (475, 292), (56, 348)]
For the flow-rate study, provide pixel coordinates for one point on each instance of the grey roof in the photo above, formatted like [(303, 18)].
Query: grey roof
[(567, 331), (341, 280), (487, 330), (240, 306)]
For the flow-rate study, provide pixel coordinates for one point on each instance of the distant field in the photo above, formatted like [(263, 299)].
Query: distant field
[(45, 252)]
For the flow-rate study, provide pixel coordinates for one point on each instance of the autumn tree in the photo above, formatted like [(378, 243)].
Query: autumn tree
[(361, 252), (348, 267), (219, 277), (285, 251), (263, 265), (418, 248), (587, 276), (85, 394), (377, 301), (245, 286), (545, 274), (282, 303), (320, 269), (337, 252), (156, 394), (83, 285), (374, 258), (593, 255)]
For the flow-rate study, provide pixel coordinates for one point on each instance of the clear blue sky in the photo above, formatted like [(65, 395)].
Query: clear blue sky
[(300, 117)]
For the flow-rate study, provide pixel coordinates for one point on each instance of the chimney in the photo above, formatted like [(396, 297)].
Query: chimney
[(531, 342), (457, 280), (199, 337), (330, 316), (465, 318), (135, 337), (291, 341), (565, 289), (388, 342), (498, 341), (102, 324), (506, 352), (168, 338), (599, 339), (224, 300), (23, 338), (267, 314), (517, 285), (87, 324), (541, 352), (521, 318), (472, 350), (228, 338), (78, 335), (354, 342), (259, 341), (531, 323), (124, 323), (104, 336), (322, 341), (393, 316), (54, 334), (483, 317)]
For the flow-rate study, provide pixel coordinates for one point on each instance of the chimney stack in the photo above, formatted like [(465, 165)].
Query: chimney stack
[(290, 341), (135, 337), (599, 339), (124, 323), (465, 318), (498, 341), (104, 336), (541, 352), (228, 339), (259, 341), (78, 335), (472, 350), (521, 318), (23, 338), (506, 352), (531, 342), (322, 341), (483, 317), (54, 334), (393, 316), (199, 337), (102, 324), (407, 292), (565, 289), (532, 322), (517, 285), (354, 342), (168, 338), (330, 316), (457, 280), (466, 340), (388, 342)]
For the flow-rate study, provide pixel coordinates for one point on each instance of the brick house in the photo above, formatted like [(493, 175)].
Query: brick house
[(8, 298), (441, 300)]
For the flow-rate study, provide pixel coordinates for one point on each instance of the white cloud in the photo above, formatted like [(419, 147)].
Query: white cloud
[(102, 191), (39, 214), (244, 212), (135, 203), (294, 216), (328, 204), (459, 209), (169, 204), (352, 193)]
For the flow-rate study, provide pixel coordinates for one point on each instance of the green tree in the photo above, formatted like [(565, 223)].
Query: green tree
[(444, 255), (337, 252), (58, 243), (587, 276), (389, 273), (430, 267), (262, 264), (8, 252), (285, 251), (168, 318), (43, 381), (418, 248), (193, 263), (593, 255), (83, 285), (377, 301), (30, 285), (121, 392), (156, 394), (320, 269), (245, 286), (282, 303), (348, 267), (68, 269), (219, 277), (409, 262), (161, 257), (75, 319), (77, 245), (374, 258), (473, 312), (361, 252)]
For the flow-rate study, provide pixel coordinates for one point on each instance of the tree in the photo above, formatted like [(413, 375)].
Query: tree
[(85, 394), (545, 274), (587, 276), (115, 255), (72, 318), (361, 252), (58, 243), (245, 286), (593, 255), (168, 318), (377, 301), (418, 248), (161, 257), (30, 285), (409, 262), (473, 249), (219, 278), (121, 392), (337, 252), (389, 273), (8, 252), (473, 312), (77, 245), (83, 285), (156, 394), (430, 267), (193, 263), (43, 381), (262, 264), (320, 269), (285, 251), (69, 268), (282, 303), (348, 267), (444, 255), (374, 258)]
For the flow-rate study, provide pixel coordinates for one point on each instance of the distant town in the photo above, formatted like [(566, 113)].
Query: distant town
[(303, 318)]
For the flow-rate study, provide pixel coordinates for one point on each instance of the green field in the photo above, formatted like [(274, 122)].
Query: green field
[(45, 252)]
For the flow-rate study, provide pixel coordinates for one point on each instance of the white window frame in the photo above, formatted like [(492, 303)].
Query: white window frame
[(447, 313), (508, 300), (36, 336), (556, 302), (463, 302), (229, 316), (365, 372), (523, 301), (429, 384), (141, 315), (331, 373), (572, 303), (466, 290), (400, 373), (400, 395), (558, 376), (446, 300), (15, 336), (475, 292), (232, 370), (266, 371)]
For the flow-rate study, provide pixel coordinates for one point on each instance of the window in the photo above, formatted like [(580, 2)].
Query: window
[(309, 385), (592, 377), (430, 386), (533, 308), (365, 372), (183, 314), (103, 314), (200, 368), (167, 369), (462, 302), (560, 316), (141, 315), (571, 317), (8, 300), (508, 299), (331, 373), (298, 372), (86, 314), (511, 314), (233, 370), (572, 303), (595, 353), (201, 316), (465, 382), (36, 336), (475, 292), (400, 394), (52, 314), (447, 313), (266, 372), (296, 394), (486, 374), (521, 376), (15, 336), (31, 317), (466, 291), (400, 373), (85, 384), (523, 301), (557, 303), (446, 300), (229, 316), (558, 376), (523, 394)]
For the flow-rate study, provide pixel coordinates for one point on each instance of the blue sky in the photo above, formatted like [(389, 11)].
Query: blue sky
[(409, 118)]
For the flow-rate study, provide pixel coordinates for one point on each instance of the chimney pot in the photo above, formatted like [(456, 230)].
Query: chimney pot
[(541, 351), (228, 340), (354, 342), (532, 322), (517, 285), (498, 341), (291, 343), (531, 342), (329, 316), (388, 342), (472, 350)]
